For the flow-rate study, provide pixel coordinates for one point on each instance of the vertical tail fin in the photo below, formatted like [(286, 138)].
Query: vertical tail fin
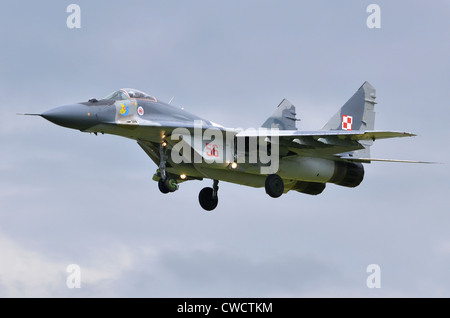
[(283, 118), (357, 113)]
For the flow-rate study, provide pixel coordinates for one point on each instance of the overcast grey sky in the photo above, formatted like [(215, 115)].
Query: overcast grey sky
[(68, 197)]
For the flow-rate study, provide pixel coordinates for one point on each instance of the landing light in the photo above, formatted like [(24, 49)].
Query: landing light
[(183, 176), (233, 165), (164, 144)]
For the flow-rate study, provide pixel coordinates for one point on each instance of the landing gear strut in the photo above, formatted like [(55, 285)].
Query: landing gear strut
[(208, 197), (166, 184)]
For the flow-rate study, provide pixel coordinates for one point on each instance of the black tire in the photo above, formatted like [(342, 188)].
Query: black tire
[(162, 187), (207, 202), (171, 184), (274, 185)]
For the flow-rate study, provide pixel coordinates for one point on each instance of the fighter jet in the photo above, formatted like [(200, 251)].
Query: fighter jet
[(276, 156)]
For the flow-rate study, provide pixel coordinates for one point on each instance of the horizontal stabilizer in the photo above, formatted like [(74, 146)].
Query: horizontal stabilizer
[(368, 160)]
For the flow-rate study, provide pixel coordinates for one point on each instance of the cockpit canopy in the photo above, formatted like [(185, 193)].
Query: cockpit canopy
[(129, 93)]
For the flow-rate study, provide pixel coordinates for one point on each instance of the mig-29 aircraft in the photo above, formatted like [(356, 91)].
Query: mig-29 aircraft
[(275, 156)]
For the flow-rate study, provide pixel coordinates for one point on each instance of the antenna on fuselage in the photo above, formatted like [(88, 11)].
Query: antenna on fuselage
[(171, 99)]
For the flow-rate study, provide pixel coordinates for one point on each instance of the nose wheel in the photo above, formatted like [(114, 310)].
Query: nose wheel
[(168, 185), (208, 197)]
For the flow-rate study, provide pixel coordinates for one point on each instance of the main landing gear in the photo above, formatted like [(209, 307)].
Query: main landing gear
[(274, 185), (208, 197)]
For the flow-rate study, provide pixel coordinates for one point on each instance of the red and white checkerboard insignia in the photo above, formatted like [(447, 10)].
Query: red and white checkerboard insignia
[(347, 122)]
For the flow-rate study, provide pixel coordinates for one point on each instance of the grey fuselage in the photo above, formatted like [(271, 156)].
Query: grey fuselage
[(188, 147)]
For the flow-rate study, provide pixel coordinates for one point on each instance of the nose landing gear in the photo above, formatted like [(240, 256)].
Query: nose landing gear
[(166, 184)]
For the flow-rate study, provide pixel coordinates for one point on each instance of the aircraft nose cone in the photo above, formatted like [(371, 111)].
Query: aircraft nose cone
[(76, 116)]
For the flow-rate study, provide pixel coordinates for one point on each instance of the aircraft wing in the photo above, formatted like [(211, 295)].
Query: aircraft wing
[(325, 143), (340, 134)]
